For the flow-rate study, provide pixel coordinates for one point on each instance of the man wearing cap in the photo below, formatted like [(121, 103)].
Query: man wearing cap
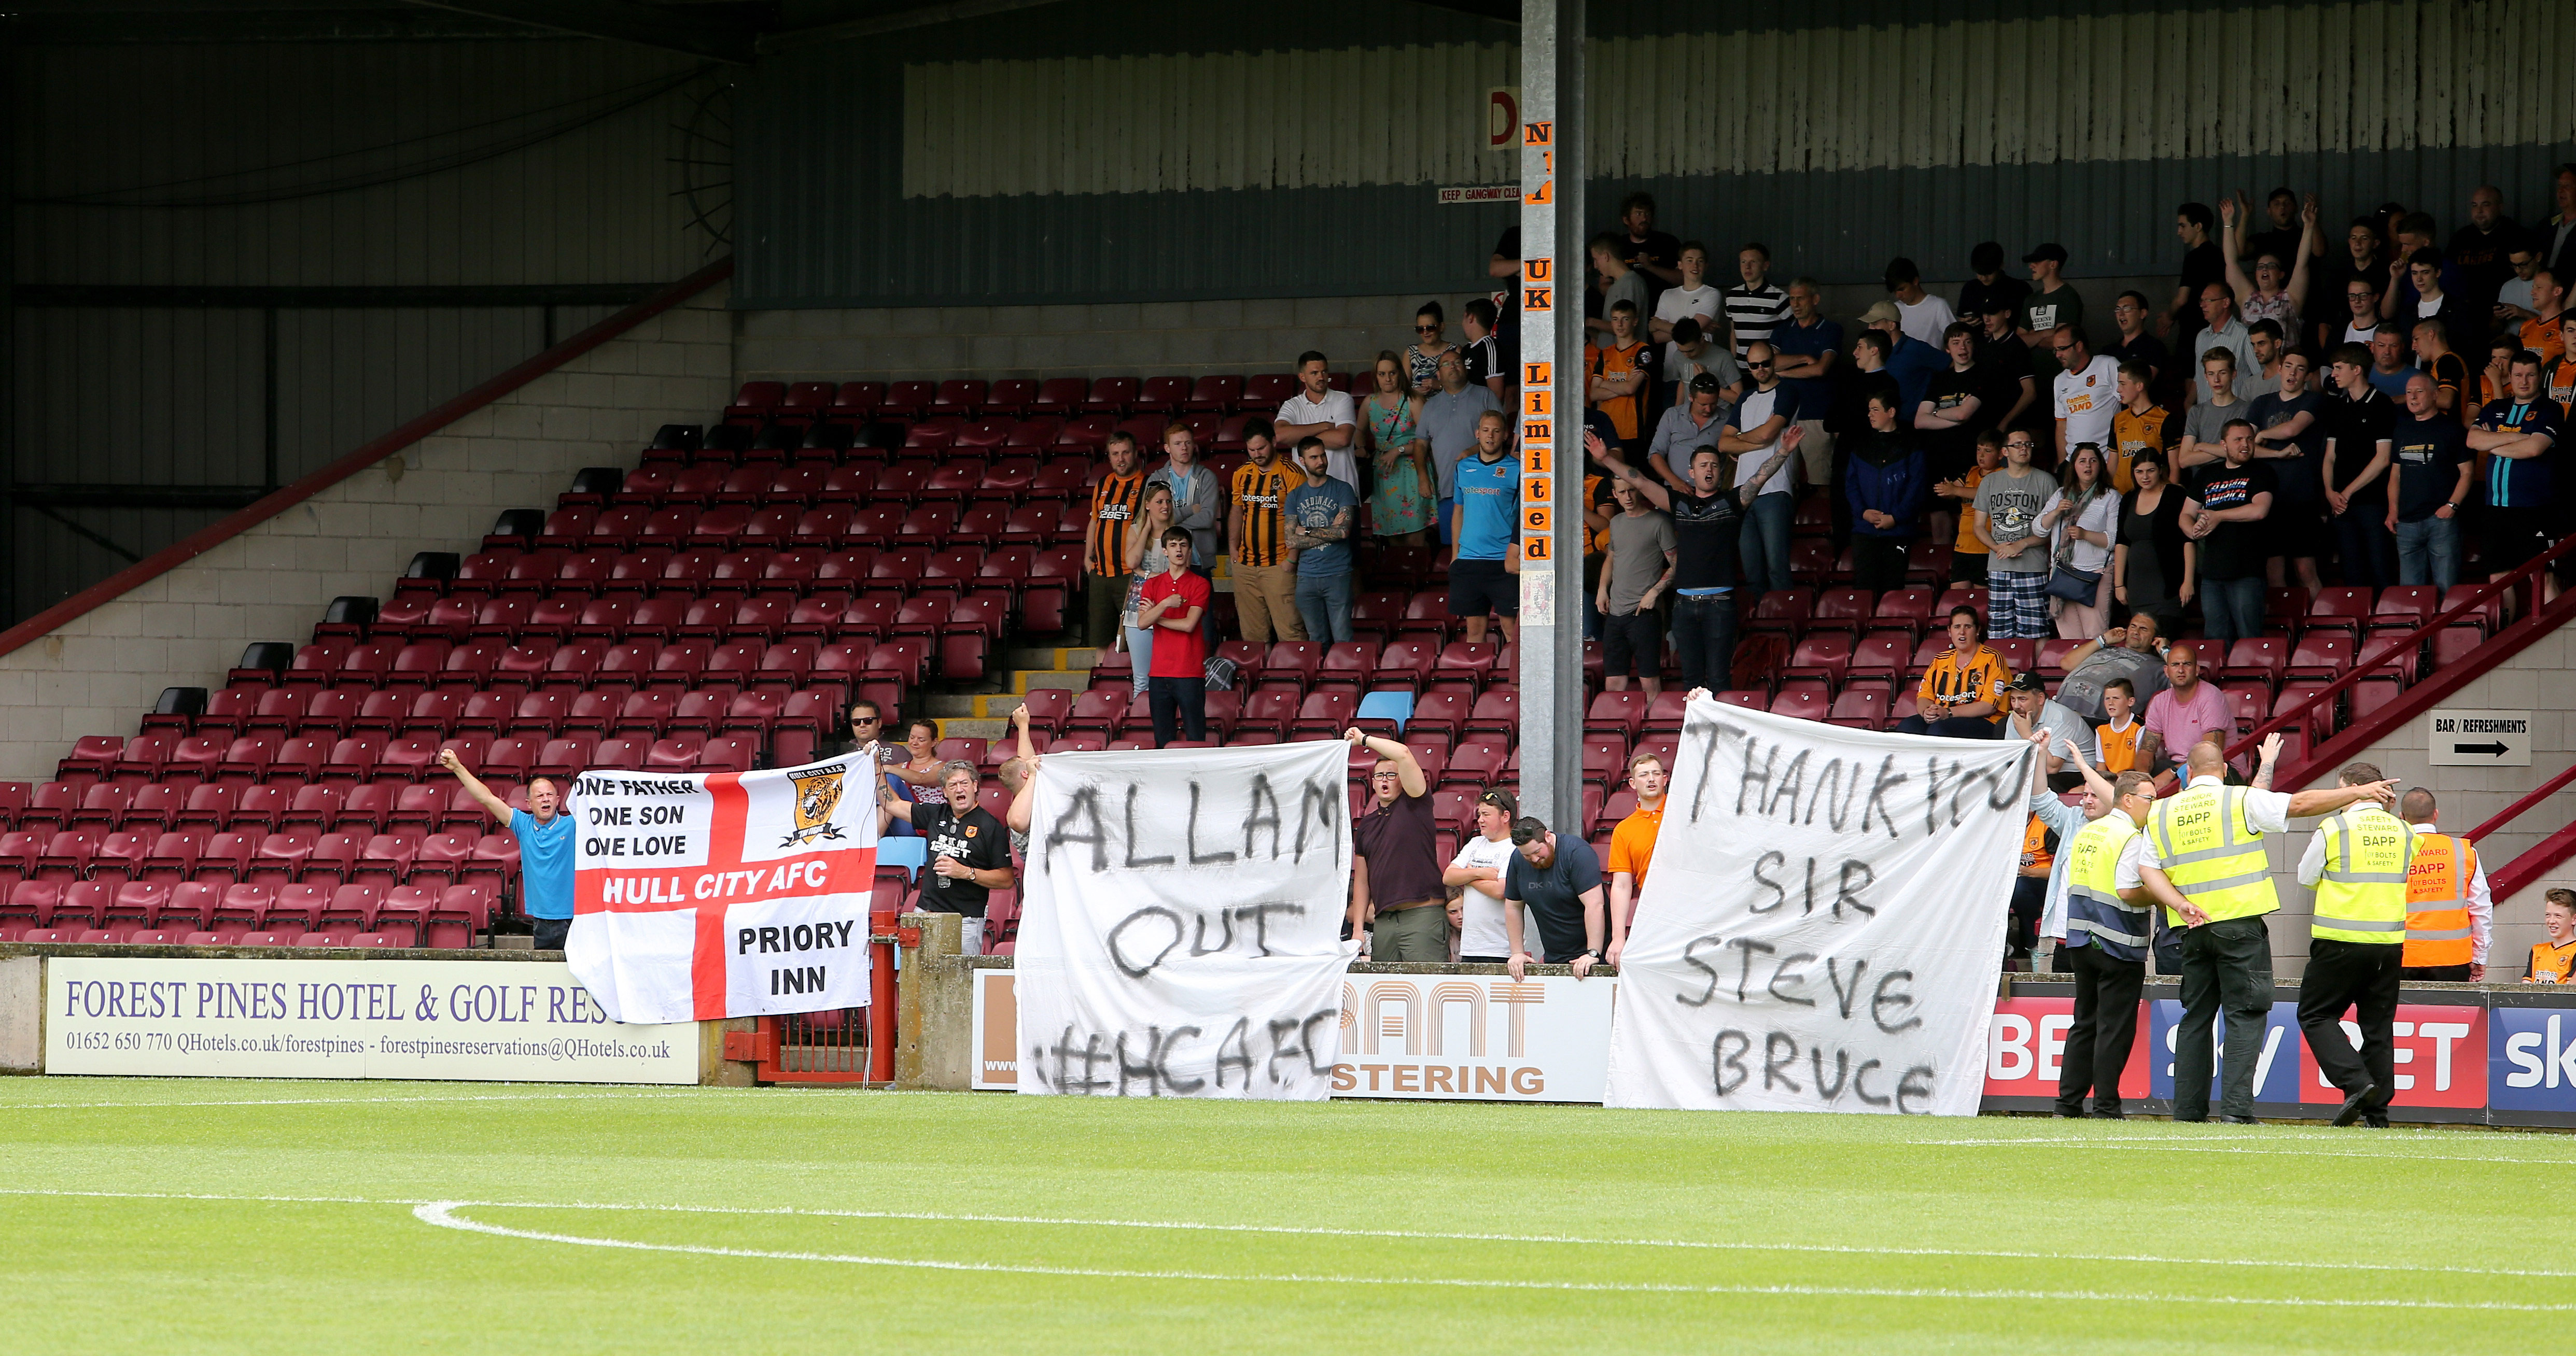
[(2032, 711), (2051, 306), (1559, 880), (2206, 864), (1395, 861), (1478, 869), (1909, 360), (2357, 863)]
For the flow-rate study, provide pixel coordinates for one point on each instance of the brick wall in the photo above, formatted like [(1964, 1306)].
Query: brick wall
[(98, 673)]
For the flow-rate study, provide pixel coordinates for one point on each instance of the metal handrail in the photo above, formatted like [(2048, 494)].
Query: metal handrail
[(2540, 793)]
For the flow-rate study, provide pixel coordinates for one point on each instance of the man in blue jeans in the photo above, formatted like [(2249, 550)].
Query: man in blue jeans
[(1706, 523), (1762, 426), (1321, 515), (545, 850), (2225, 504), (2432, 467)]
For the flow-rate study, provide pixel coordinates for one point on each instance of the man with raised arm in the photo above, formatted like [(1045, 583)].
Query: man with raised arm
[(1395, 860), (2097, 907), (545, 850)]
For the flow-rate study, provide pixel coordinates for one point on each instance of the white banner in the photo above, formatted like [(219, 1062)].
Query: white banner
[(1180, 934), (736, 894), (520, 1021), (1824, 926)]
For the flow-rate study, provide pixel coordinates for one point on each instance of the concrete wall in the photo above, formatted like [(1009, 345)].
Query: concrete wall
[(96, 674)]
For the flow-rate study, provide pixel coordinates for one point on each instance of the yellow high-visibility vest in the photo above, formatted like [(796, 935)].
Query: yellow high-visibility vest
[(2213, 854), (2362, 895)]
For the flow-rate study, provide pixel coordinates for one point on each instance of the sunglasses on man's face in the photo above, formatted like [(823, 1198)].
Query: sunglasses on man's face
[(1758, 362)]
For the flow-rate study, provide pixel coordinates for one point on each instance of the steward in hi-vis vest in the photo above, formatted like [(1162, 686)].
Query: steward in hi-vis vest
[(2450, 914), (2100, 906), (2204, 859), (2358, 866)]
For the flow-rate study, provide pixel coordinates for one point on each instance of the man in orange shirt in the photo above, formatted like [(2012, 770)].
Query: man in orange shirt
[(1616, 380), (2562, 374), (1263, 563), (1632, 845), (1968, 551)]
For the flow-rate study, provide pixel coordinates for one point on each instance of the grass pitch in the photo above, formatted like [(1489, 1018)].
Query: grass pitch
[(289, 1216)]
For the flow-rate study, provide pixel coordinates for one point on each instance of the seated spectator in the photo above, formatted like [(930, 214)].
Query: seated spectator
[(1319, 411), (2082, 521), (1406, 486), (2359, 421), (2189, 711), (1962, 693), (1958, 498), (1888, 486), (1321, 516), (2131, 653), (2028, 708), (1559, 881), (1616, 375), (1175, 609), (2432, 467), (2154, 567), (2554, 961), (2223, 510), (1484, 570), (913, 773), (1635, 573), (2115, 740), (1422, 356), (2008, 508)]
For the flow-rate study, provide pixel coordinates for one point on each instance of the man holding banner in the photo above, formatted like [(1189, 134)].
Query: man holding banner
[(2205, 862)]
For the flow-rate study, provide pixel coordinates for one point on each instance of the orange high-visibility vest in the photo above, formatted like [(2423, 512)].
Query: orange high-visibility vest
[(2437, 901)]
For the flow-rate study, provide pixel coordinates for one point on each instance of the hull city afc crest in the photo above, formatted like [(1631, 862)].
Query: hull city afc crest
[(818, 793)]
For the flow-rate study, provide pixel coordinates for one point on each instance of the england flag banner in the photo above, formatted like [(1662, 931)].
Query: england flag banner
[(734, 894), (1824, 925), (1181, 923)]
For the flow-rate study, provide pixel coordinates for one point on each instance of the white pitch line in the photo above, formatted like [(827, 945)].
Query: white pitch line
[(2401, 1151), (442, 1214), (380, 1101), (1417, 1235)]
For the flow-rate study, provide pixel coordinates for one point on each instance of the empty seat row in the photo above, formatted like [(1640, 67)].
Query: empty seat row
[(817, 400), (205, 913)]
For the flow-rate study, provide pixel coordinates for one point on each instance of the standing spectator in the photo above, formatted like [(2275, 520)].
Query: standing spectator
[(2360, 321), (1962, 693), (2012, 383), (2290, 437), (2388, 367), (1989, 285), (1692, 298), (2085, 392), (2361, 266), (1395, 867), (1632, 845), (1707, 525), (1145, 564), (1684, 429), (1175, 608), (2140, 428), (2452, 394), (1888, 484), (2402, 292), (2432, 467), (1263, 563), (1198, 497), (2082, 521), (2227, 502), (2281, 235), (1909, 361), (1644, 249), (1753, 307), (1104, 541), (2495, 381), (2513, 297), (2202, 267), (1319, 411), (2188, 712), (1868, 373), (2464, 321), (1321, 515), (1924, 316), (1484, 570), (2558, 234), (2128, 653), (2542, 333), (1559, 881), (2218, 404), (1449, 418), (2129, 311), (1478, 868), (2222, 330), (2099, 911), (1693, 354), (2517, 434), (2480, 248), (1406, 493), (1804, 353), (2561, 385), (1968, 550), (1620, 283), (1482, 352), (2154, 567), (2264, 377), (1954, 410), (545, 838), (2051, 306), (1617, 372), (969, 850), (2278, 289), (2008, 508), (1634, 575), (1422, 356), (1752, 432), (2359, 426)]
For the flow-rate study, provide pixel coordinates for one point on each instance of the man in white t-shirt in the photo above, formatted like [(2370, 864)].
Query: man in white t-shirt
[(1924, 316), (1693, 298), (2087, 391), (1319, 411), (1479, 867)]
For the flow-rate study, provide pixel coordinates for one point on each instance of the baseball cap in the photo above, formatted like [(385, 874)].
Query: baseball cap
[(1882, 313), (2025, 681), (2051, 251)]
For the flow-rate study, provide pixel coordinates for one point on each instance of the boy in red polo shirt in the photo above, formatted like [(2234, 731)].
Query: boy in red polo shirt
[(1174, 604)]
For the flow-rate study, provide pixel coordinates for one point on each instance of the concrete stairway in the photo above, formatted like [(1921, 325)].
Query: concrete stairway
[(988, 715)]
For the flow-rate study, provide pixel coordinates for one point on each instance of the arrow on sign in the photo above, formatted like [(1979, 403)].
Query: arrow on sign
[(2498, 750)]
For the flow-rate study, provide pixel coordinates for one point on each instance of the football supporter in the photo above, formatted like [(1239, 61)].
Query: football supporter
[(1559, 881), (1632, 844), (970, 850), (545, 836), (1483, 936), (1962, 694), (1397, 899), (2554, 961)]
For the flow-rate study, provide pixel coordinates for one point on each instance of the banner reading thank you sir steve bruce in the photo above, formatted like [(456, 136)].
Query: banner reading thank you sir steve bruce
[(736, 894)]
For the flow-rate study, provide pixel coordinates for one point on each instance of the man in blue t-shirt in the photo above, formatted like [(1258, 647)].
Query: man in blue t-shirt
[(2519, 434), (1483, 575), (545, 850), (1321, 516)]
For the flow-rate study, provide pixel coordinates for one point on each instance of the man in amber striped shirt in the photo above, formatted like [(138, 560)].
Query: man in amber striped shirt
[(1104, 540), (1264, 565)]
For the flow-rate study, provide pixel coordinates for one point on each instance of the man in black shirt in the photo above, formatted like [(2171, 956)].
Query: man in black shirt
[(1954, 407), (2227, 501), (1559, 881), (2432, 467), (1990, 285), (2289, 435), (970, 850), (1654, 254), (2359, 425), (1707, 522), (2202, 264), (2012, 391)]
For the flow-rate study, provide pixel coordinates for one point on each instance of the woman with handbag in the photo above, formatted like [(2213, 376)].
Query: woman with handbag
[(2153, 565), (2083, 523)]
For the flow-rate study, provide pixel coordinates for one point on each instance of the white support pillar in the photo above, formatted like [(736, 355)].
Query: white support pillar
[(1551, 412)]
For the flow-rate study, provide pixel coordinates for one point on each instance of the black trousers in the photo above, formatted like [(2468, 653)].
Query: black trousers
[(1181, 701), (2438, 974), (2226, 965), (2363, 976), (550, 932), (2106, 1025)]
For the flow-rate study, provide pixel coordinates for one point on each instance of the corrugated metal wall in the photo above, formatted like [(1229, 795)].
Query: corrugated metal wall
[(177, 394), (1842, 135)]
